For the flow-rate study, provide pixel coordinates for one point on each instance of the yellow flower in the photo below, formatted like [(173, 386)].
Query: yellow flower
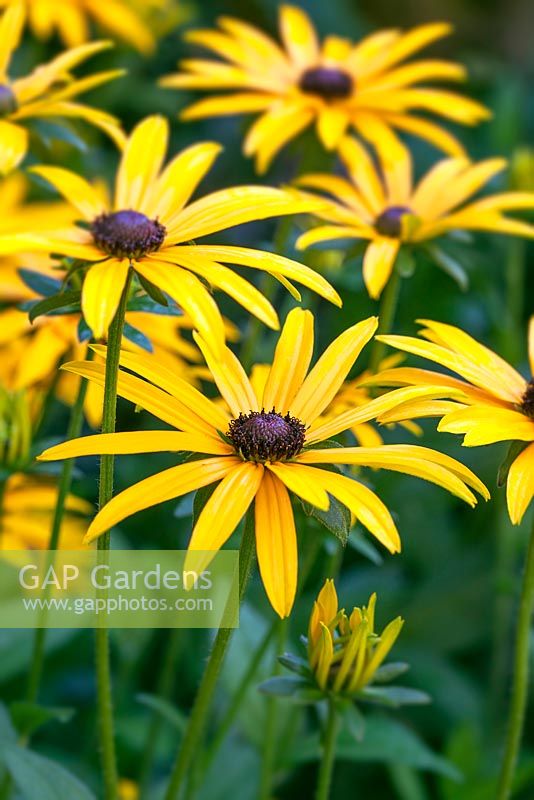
[(45, 92), (263, 447), (344, 652), (26, 512), (493, 402), (128, 790), (335, 84), (70, 19), (381, 204), (150, 229)]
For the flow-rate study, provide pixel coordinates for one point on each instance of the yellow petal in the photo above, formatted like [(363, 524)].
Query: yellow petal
[(330, 371), (75, 189), (363, 172), (126, 443), (102, 290), (13, 145), (298, 35), (166, 485), (331, 126), (271, 131), (388, 638), (531, 344), (11, 26), (327, 601), (291, 361), (231, 379), (486, 425), (378, 263), (276, 543), (429, 131), (303, 482), (141, 163), (520, 484)]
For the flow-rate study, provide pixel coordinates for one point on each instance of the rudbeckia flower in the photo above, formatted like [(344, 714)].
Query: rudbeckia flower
[(45, 92), (335, 85), (497, 403), (28, 505), (381, 204), (71, 18), (150, 228), (262, 448)]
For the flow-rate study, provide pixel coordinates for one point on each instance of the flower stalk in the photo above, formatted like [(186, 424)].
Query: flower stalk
[(203, 700), (102, 655), (326, 768), (386, 316), (519, 697)]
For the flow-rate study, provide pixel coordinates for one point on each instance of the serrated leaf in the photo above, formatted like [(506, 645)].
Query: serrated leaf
[(166, 710), (394, 696), (515, 449), (39, 778), (388, 672), (41, 284), (28, 717), (137, 337), (55, 303), (449, 265), (282, 686)]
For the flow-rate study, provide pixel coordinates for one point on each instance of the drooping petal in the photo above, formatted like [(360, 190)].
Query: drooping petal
[(299, 480), (378, 263), (486, 425), (102, 290), (520, 484), (166, 485), (276, 543), (75, 189), (125, 443)]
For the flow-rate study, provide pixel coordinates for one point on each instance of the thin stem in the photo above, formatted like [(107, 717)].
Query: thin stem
[(165, 688), (271, 725), (518, 701), (102, 657), (65, 481), (329, 752), (202, 704), (388, 308)]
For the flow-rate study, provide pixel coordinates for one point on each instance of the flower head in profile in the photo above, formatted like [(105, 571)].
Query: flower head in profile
[(380, 203), (490, 402), (48, 91), (264, 448), (150, 229), (71, 21), (335, 85)]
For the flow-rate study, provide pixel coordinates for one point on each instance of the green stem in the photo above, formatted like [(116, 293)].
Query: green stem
[(271, 724), (65, 481), (388, 308), (102, 656), (202, 704), (164, 690), (329, 751), (518, 701)]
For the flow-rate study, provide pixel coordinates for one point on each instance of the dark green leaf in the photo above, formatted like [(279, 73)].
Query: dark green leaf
[(450, 265), (145, 303), (84, 331), (39, 778), (515, 449), (337, 519), (394, 696), (388, 672), (295, 664), (364, 547), (50, 132), (153, 291), (54, 303), (137, 337), (41, 284), (28, 717), (352, 719), (282, 686)]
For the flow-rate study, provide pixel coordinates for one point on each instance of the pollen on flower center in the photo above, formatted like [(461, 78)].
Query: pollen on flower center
[(127, 234), (267, 436), (8, 101), (389, 222), (327, 82), (527, 405)]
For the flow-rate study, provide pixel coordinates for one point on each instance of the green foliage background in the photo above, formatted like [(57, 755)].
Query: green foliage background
[(457, 578)]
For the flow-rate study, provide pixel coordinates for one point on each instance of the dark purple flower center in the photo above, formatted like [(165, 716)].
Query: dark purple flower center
[(327, 82), (267, 436), (127, 234), (8, 101), (389, 222), (527, 404)]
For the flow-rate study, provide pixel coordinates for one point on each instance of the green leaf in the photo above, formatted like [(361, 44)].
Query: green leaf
[(364, 547), (337, 519), (201, 498), (282, 686), (295, 664), (54, 303), (388, 672), (137, 337), (41, 284), (450, 265), (153, 291), (405, 263), (394, 696), (39, 778), (515, 449), (166, 710), (50, 132), (28, 717), (84, 331), (352, 719)]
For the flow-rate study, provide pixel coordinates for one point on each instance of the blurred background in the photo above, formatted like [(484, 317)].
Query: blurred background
[(457, 579)]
